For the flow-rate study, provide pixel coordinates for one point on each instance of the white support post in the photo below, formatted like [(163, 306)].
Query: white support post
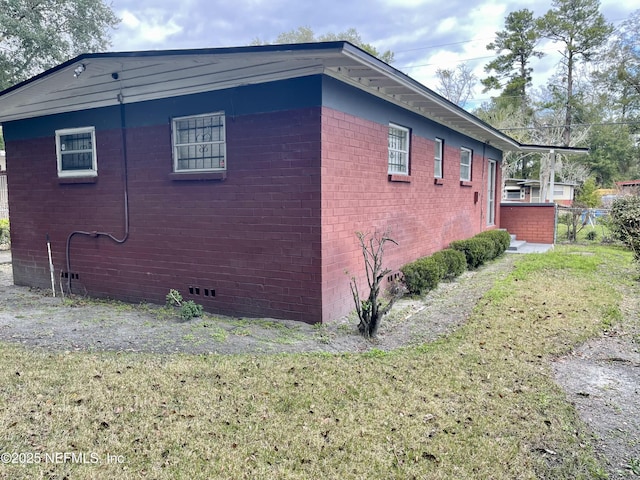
[(552, 175)]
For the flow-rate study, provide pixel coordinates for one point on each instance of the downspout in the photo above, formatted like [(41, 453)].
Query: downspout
[(125, 181)]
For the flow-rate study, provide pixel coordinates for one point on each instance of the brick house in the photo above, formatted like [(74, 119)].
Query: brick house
[(528, 191), (238, 176)]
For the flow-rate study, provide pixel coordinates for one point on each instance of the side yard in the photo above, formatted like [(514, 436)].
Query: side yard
[(462, 384)]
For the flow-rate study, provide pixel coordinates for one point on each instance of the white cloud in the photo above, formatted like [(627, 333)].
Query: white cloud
[(407, 3), (447, 25), (129, 19), (148, 28)]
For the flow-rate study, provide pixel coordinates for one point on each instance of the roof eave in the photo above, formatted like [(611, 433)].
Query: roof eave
[(143, 79)]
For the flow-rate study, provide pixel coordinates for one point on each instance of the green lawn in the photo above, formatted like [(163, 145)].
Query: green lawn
[(589, 234), (478, 404)]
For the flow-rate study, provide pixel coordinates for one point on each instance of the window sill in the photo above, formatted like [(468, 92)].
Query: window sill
[(438, 181), (76, 180), (198, 176), (464, 183), (399, 178)]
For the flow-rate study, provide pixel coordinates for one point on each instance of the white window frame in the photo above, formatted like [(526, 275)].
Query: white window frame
[(222, 142), (465, 165), (492, 174), (399, 165), (61, 150), (437, 157), (513, 194)]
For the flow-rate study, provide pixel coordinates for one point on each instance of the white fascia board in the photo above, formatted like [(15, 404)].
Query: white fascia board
[(485, 132)]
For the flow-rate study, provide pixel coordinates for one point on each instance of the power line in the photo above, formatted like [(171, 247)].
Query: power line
[(572, 125), (445, 44)]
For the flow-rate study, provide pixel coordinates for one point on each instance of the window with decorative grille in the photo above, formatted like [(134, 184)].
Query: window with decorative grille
[(199, 143), (76, 152)]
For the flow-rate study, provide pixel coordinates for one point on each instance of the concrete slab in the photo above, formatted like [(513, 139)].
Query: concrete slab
[(533, 248), (5, 256), (516, 244)]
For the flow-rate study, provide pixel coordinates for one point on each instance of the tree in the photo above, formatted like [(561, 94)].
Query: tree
[(511, 69), (587, 194), (586, 198), (571, 171), (456, 85), (36, 35), (617, 79), (371, 310), (510, 119), (626, 49), (580, 27), (613, 155), (306, 35)]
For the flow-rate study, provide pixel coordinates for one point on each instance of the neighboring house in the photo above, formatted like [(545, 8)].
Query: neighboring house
[(528, 191), (608, 196), (628, 187), (239, 176)]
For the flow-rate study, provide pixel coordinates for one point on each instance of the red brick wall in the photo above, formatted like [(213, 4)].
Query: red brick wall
[(533, 222), (254, 238), (358, 196), (259, 238)]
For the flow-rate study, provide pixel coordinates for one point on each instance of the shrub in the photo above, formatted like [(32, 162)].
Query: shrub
[(500, 238), (371, 310), (422, 275), (477, 250), (624, 222), (4, 231), (453, 262), (188, 309)]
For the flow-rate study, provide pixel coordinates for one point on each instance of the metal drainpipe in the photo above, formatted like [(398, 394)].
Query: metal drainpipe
[(123, 130)]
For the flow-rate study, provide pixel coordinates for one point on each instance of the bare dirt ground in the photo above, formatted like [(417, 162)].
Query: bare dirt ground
[(34, 318), (601, 378)]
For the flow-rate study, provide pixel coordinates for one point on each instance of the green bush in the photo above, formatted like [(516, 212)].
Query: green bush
[(4, 231), (422, 275), (501, 240), (425, 273), (453, 262), (188, 309), (477, 250), (624, 222)]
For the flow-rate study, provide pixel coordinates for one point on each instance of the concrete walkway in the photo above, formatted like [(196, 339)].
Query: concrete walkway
[(532, 248), (5, 256)]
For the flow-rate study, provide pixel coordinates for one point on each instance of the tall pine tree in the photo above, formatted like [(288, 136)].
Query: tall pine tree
[(511, 70), (583, 31)]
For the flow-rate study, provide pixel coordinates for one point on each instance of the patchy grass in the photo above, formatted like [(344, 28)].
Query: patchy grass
[(587, 235), (480, 403)]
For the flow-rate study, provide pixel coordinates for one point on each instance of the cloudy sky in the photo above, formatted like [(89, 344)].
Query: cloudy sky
[(423, 34)]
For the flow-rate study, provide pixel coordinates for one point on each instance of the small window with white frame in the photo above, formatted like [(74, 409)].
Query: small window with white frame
[(76, 152), (398, 150), (437, 165), (466, 156), (199, 143)]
